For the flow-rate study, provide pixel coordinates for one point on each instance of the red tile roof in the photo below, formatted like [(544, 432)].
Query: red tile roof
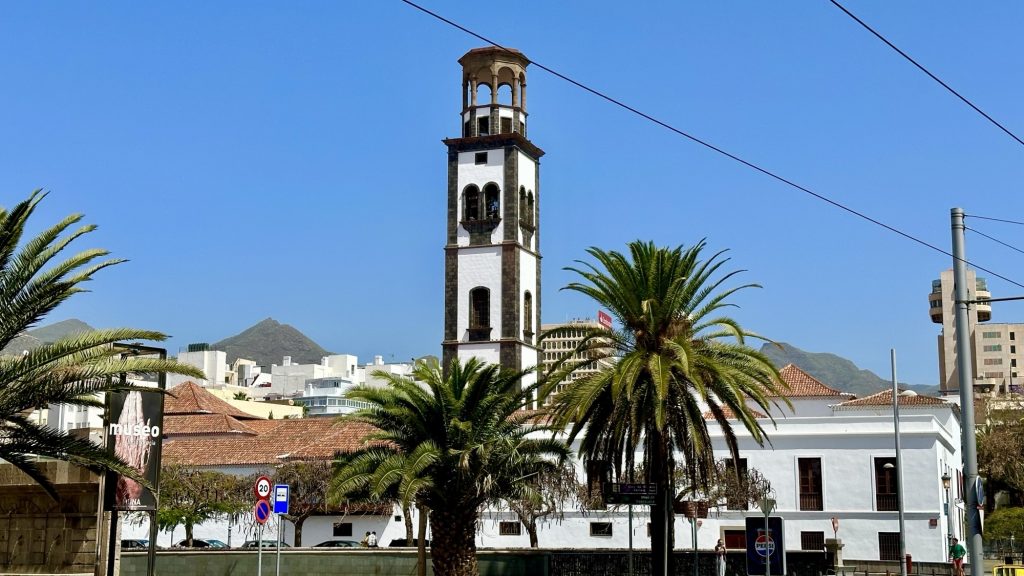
[(191, 398), (730, 415), (802, 384), (274, 441), (884, 398), (186, 424)]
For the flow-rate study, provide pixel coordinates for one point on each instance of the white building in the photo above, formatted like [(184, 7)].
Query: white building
[(560, 343)]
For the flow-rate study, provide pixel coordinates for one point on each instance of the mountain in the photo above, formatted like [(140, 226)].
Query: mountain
[(268, 342), (44, 335), (835, 371), (54, 332)]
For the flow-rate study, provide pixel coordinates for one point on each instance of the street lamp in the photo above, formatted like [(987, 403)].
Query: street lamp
[(899, 461), (949, 507)]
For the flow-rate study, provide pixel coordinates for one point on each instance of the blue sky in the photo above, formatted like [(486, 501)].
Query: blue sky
[(258, 159)]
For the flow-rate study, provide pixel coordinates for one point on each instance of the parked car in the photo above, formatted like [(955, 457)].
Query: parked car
[(400, 542), (135, 544), (210, 543), (337, 544), (264, 544)]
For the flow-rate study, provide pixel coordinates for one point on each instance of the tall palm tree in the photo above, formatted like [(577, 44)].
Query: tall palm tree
[(454, 441), (34, 279), (678, 357)]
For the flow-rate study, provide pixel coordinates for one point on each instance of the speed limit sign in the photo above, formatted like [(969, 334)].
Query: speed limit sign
[(262, 488)]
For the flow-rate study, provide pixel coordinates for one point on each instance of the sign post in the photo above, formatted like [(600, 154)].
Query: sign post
[(280, 508), (766, 550), (634, 494), (262, 513)]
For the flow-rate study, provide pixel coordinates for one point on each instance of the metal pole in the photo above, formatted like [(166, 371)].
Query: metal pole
[(767, 548), (630, 540), (259, 551), (899, 464), (969, 448), (154, 531), (694, 522), (280, 529)]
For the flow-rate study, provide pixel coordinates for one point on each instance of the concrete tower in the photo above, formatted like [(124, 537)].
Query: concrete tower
[(492, 254)]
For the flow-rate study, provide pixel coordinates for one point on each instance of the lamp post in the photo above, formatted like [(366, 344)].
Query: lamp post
[(899, 462), (949, 508), (767, 505)]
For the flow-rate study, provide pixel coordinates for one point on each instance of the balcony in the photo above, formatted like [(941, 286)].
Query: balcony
[(886, 502), (811, 502), (480, 334)]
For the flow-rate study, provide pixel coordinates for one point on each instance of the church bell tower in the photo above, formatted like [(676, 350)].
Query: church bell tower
[(492, 254)]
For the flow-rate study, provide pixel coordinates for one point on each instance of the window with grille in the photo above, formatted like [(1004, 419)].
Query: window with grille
[(812, 541), (732, 502), (885, 484), (510, 528), (889, 546), (600, 528), (810, 484)]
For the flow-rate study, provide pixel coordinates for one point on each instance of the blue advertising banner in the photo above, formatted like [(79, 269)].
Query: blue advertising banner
[(765, 546)]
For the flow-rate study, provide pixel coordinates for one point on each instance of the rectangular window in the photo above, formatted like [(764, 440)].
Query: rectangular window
[(600, 528), (480, 158), (483, 126), (1013, 349), (885, 485), (812, 541), (993, 362), (889, 546), (506, 125), (342, 529), (993, 374), (510, 529), (810, 484), (1013, 336), (992, 348), (735, 539), (741, 470), (993, 335)]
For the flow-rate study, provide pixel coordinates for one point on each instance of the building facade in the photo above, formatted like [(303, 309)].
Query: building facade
[(994, 346), (492, 251), (560, 344)]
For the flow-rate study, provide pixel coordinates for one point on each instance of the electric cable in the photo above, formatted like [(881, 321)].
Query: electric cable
[(997, 241), (926, 71), (710, 146), (994, 219)]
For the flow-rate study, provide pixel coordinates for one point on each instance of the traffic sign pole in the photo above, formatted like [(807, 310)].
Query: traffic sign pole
[(280, 527), (259, 553)]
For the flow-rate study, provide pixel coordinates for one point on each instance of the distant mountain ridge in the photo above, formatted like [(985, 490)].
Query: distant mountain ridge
[(45, 335), (835, 371), (268, 342)]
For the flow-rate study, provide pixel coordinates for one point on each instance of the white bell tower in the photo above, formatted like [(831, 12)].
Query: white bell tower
[(492, 255)]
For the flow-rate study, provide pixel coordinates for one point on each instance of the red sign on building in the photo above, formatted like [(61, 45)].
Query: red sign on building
[(604, 319)]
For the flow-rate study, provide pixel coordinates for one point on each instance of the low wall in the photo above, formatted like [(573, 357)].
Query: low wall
[(402, 562), (41, 535)]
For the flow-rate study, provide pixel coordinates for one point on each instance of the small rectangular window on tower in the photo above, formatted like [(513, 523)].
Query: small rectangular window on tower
[(481, 158), (506, 125)]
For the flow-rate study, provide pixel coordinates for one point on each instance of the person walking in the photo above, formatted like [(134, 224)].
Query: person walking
[(720, 557), (365, 542), (956, 554), (371, 541)]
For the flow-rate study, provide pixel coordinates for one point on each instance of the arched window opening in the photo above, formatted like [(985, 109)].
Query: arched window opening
[(491, 203), (483, 94), (479, 314), (471, 203), (528, 316), (505, 94), (523, 214), (529, 207)]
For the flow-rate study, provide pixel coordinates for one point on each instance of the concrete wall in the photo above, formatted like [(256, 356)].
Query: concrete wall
[(39, 534)]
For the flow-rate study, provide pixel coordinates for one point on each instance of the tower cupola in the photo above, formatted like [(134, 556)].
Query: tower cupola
[(493, 92)]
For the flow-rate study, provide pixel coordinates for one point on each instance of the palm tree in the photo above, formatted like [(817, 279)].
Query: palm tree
[(452, 442), (72, 370), (678, 357)]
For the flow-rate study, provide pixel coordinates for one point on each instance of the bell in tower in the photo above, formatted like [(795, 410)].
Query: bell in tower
[(492, 254)]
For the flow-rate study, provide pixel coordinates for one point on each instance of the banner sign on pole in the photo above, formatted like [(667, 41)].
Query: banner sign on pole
[(765, 545), (281, 499)]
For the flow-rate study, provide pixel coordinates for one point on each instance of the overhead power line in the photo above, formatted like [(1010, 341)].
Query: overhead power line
[(926, 71), (997, 241), (994, 219), (710, 146)]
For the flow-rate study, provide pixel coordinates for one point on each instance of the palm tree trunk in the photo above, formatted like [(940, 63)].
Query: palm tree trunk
[(421, 542), (407, 514), (453, 547), (661, 512)]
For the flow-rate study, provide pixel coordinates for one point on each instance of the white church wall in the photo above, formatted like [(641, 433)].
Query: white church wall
[(479, 266)]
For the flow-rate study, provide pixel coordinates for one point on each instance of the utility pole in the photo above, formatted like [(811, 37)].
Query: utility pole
[(969, 449)]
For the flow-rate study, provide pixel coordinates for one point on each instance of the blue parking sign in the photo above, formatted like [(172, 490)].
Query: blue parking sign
[(281, 499)]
